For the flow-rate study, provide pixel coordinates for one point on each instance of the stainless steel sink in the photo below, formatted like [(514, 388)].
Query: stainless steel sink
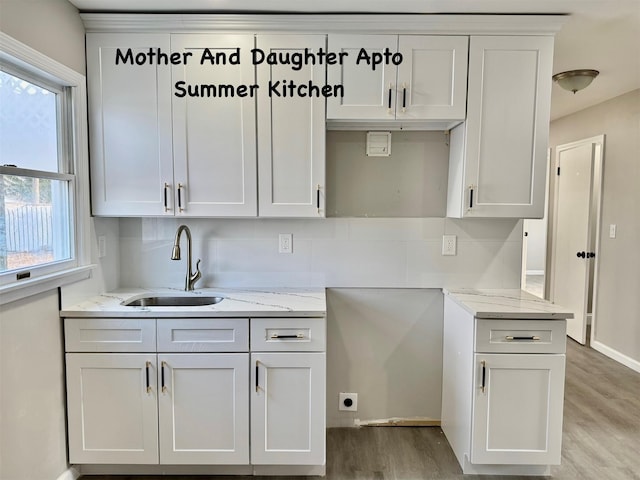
[(172, 301)]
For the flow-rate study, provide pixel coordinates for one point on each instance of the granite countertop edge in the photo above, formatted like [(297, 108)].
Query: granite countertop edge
[(238, 302), (506, 304)]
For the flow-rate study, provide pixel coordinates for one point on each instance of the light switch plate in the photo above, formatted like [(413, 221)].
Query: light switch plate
[(102, 246), (449, 244), (612, 230), (285, 243)]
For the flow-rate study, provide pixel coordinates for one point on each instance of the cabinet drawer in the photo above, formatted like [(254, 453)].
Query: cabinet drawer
[(288, 334), (521, 336), (109, 335), (203, 335)]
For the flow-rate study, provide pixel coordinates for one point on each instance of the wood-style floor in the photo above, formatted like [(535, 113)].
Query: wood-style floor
[(601, 439)]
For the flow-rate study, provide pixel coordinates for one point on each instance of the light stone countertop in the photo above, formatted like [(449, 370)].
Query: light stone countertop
[(259, 302), (513, 304)]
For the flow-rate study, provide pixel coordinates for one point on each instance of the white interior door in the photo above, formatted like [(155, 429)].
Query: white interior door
[(572, 244)]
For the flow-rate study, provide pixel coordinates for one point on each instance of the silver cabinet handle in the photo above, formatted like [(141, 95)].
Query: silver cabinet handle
[(512, 338), (164, 387), (180, 187), (277, 336), (147, 367), (404, 97), (166, 197), (257, 376)]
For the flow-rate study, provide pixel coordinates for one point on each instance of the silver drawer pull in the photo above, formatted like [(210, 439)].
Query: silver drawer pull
[(511, 338), (276, 336)]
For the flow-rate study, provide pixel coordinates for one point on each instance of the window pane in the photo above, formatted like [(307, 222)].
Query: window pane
[(28, 125), (34, 221)]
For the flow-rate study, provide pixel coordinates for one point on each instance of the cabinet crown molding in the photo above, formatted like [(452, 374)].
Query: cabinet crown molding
[(330, 23)]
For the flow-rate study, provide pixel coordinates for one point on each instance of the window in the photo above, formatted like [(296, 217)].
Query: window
[(43, 220), (35, 184)]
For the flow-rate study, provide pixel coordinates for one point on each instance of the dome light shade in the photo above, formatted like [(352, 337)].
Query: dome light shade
[(574, 80)]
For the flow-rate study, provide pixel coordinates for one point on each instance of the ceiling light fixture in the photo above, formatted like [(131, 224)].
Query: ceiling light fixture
[(574, 80)]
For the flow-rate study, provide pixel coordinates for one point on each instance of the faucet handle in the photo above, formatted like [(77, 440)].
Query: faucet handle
[(196, 276)]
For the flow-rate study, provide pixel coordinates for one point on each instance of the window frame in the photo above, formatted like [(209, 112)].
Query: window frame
[(72, 165)]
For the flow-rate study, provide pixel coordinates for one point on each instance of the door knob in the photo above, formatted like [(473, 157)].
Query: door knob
[(581, 254), (591, 254)]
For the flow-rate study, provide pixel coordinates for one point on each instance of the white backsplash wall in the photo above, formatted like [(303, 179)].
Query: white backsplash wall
[(332, 252)]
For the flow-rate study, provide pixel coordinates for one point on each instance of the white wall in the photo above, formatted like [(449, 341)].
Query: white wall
[(106, 275), (32, 412), (334, 252), (32, 418), (53, 27), (617, 309), (386, 346), (411, 182)]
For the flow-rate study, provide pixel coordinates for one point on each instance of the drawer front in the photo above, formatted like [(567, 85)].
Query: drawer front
[(109, 335), (203, 335), (521, 336), (288, 334)]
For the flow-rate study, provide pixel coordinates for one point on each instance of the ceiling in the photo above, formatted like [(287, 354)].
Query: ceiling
[(600, 34)]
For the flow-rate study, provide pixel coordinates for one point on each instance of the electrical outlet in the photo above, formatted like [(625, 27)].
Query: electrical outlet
[(285, 243), (348, 402), (449, 245)]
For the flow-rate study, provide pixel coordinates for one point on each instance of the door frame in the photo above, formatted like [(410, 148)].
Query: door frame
[(595, 210), (545, 254)]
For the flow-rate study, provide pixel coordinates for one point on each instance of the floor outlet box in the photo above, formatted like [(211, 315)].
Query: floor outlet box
[(348, 402)]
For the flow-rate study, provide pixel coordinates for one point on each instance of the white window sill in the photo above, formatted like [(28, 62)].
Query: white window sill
[(26, 288)]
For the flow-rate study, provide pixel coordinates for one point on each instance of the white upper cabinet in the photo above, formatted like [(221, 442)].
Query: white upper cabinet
[(368, 93), (429, 83), (497, 165), (130, 126), (291, 131), (214, 134)]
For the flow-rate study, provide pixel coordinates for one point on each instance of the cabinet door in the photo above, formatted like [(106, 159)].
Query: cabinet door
[(112, 408), (432, 78), (204, 408), (507, 125), (517, 417), (291, 131), (288, 408), (214, 132), (129, 125), (368, 93)]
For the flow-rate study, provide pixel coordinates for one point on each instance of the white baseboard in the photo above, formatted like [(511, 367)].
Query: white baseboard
[(69, 474), (616, 355)]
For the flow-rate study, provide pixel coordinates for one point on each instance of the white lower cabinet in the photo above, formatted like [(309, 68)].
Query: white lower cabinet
[(203, 406), (157, 408), (112, 408), (503, 392), (288, 408), (517, 416)]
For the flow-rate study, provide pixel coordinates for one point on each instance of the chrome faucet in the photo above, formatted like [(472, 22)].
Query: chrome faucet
[(191, 278)]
